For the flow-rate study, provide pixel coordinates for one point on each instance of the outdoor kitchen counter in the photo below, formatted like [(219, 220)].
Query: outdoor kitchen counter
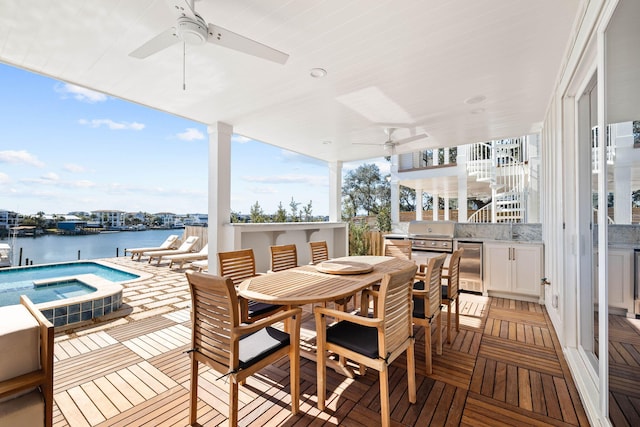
[(508, 232), (490, 240)]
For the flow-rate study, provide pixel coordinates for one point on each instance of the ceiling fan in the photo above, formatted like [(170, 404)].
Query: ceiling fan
[(390, 144), (190, 28)]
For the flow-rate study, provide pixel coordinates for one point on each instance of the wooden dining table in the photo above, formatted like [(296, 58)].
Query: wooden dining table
[(333, 280), (310, 284)]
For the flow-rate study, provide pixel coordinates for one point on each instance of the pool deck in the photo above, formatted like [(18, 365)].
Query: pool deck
[(129, 369)]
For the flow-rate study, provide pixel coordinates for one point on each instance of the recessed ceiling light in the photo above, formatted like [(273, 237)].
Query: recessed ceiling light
[(475, 99), (326, 142), (318, 73)]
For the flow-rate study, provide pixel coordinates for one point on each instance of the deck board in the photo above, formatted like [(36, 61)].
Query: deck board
[(503, 366)]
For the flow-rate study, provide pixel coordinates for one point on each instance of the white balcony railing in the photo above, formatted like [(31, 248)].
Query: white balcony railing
[(595, 153)]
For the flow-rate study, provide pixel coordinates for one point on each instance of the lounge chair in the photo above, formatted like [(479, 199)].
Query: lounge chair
[(185, 248), (194, 256), (200, 265), (170, 243)]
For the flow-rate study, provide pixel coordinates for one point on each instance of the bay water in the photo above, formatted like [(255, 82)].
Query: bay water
[(59, 248)]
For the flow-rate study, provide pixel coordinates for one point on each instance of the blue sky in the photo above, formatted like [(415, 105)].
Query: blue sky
[(64, 148)]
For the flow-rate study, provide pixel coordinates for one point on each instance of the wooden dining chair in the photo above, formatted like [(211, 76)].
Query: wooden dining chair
[(283, 257), (450, 290), (427, 302), (372, 342), (397, 248), (236, 350), (238, 266), (319, 252)]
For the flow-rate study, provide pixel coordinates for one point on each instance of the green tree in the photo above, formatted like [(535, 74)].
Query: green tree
[(358, 238), (383, 220), (281, 214), (407, 199), (295, 216), (257, 214), (235, 217), (307, 212), (364, 190)]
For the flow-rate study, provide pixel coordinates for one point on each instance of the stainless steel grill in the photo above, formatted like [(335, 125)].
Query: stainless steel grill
[(433, 236)]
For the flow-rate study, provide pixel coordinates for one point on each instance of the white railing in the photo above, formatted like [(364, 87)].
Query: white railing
[(482, 215), (595, 217), (610, 150), (500, 163), (479, 161)]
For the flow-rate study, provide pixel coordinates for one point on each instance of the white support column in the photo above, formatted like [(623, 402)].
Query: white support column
[(435, 206), (446, 208), (219, 191), (461, 160), (419, 204), (395, 193), (622, 194), (335, 191)]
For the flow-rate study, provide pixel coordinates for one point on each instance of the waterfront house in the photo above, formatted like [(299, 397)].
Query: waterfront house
[(8, 220), (443, 74), (108, 218)]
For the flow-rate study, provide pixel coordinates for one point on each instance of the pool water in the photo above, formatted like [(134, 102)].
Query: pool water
[(46, 293), (20, 281)]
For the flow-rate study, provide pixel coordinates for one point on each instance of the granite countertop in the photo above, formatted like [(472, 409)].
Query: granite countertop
[(524, 233)]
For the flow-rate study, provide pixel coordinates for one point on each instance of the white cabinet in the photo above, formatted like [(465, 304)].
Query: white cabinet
[(619, 280), (513, 269)]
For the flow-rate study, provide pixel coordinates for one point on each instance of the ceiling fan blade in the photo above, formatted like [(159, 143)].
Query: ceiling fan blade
[(231, 40), (411, 139), (156, 44), (182, 8)]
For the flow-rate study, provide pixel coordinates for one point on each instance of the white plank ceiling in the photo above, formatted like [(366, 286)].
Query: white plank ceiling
[(406, 63)]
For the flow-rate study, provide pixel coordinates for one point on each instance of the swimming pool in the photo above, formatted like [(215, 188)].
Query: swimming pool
[(45, 293), (67, 293)]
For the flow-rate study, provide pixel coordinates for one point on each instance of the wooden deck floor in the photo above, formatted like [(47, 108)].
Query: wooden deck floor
[(624, 371), (504, 367)]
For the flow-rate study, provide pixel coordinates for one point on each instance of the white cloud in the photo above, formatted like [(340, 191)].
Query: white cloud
[(190, 134), (71, 167), (51, 176), (289, 179), (112, 125), (240, 139), (78, 93), (22, 156), (4, 178), (264, 190), (83, 183)]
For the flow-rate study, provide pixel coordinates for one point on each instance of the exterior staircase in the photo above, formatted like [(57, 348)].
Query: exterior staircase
[(501, 163)]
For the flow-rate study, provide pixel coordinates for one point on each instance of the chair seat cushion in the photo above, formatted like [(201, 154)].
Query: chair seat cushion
[(260, 308), (358, 338), (26, 410), (19, 342), (258, 345), (418, 302), (418, 308), (445, 290)]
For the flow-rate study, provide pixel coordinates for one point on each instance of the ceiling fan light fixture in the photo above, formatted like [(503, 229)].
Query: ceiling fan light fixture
[(192, 32), (318, 73)]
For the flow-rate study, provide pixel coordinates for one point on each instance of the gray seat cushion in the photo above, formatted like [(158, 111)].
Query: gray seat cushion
[(258, 345), (358, 338)]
